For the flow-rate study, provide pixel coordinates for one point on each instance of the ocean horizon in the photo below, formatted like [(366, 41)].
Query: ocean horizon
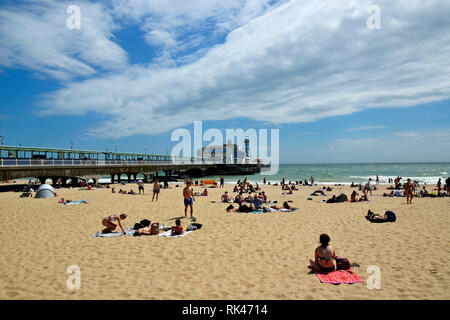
[(343, 173)]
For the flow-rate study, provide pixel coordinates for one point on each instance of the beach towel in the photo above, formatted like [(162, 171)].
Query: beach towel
[(338, 277), (128, 232), (169, 232), (77, 202), (287, 210)]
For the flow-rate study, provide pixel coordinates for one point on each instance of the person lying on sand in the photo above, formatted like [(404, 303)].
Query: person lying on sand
[(364, 197), (178, 228), (110, 226), (371, 216), (131, 192), (325, 256), (317, 193), (242, 208), (284, 206)]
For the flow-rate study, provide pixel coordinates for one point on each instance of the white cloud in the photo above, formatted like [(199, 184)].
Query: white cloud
[(35, 36), (366, 128), (300, 62)]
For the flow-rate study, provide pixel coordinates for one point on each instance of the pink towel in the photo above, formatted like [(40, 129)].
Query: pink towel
[(339, 276)]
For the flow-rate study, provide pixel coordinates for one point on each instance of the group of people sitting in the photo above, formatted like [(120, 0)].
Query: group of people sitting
[(255, 206), (144, 227), (113, 190)]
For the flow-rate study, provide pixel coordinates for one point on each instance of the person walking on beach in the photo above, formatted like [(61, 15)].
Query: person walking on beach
[(222, 182), (408, 191), (312, 180), (378, 180), (156, 188), (140, 186), (188, 195)]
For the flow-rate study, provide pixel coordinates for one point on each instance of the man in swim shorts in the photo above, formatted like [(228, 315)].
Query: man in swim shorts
[(188, 195)]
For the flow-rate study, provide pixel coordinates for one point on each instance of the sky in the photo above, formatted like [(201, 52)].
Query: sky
[(342, 81)]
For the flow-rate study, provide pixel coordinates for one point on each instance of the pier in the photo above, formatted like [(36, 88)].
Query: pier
[(54, 164)]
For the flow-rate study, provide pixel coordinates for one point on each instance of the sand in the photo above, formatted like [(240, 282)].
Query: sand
[(234, 255)]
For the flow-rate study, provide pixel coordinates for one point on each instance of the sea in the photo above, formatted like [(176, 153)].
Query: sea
[(344, 174)]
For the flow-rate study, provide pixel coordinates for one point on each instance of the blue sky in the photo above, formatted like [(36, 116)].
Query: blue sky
[(137, 70)]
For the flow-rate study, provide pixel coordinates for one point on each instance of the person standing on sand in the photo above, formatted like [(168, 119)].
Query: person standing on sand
[(378, 180), (408, 191), (222, 182), (156, 188), (188, 195), (312, 180), (438, 185), (140, 186)]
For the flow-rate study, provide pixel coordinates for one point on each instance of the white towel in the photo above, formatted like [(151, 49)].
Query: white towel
[(128, 232), (168, 234)]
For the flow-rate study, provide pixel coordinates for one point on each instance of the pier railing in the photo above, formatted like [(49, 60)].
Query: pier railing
[(94, 162)]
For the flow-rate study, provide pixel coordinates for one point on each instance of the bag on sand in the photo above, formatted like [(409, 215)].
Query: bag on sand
[(390, 216), (342, 264)]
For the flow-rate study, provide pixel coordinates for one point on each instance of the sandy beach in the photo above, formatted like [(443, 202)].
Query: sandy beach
[(234, 255)]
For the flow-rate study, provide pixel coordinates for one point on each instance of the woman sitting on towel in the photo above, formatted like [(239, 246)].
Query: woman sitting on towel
[(178, 228), (110, 226), (325, 256), (353, 196)]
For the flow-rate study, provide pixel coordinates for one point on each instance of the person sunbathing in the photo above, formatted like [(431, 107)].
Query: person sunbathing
[(242, 208), (110, 226), (325, 256), (131, 192), (364, 197), (205, 193), (177, 229), (225, 197), (318, 192), (374, 217), (353, 196), (145, 231), (332, 199), (113, 190)]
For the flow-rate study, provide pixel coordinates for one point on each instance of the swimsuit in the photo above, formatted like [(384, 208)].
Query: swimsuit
[(188, 202), (330, 269)]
